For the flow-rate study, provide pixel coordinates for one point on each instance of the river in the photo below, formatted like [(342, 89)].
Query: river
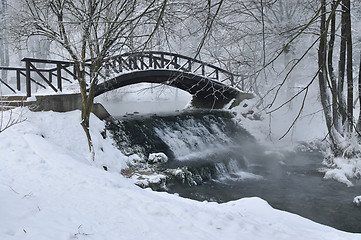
[(217, 160)]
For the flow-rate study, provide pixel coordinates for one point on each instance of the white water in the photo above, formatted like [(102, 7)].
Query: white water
[(192, 139)]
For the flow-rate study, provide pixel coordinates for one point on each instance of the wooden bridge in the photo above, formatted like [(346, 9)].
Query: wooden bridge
[(204, 81)]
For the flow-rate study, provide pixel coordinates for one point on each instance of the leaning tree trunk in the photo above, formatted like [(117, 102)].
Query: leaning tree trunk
[(87, 102), (87, 92), (322, 77), (334, 89)]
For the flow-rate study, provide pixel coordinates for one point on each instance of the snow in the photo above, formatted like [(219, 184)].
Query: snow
[(357, 201), (143, 180), (343, 169), (50, 190), (157, 158), (338, 175)]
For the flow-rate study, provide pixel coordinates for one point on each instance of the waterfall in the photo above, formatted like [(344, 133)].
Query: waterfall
[(201, 145)]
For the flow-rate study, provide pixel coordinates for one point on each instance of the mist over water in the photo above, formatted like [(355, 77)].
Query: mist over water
[(210, 157)]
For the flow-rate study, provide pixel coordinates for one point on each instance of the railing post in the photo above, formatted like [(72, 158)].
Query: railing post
[(175, 62), (217, 75), (130, 63), (74, 72), (28, 77), (189, 65), (162, 60), (107, 71), (120, 61), (231, 78), (18, 83), (135, 62), (150, 60), (203, 70), (155, 63), (50, 76), (58, 75)]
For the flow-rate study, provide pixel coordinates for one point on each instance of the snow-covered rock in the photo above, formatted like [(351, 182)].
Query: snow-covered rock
[(343, 170), (157, 158), (154, 180), (357, 201)]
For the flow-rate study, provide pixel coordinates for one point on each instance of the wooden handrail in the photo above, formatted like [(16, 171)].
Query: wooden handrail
[(7, 85), (150, 54), (138, 61), (164, 60), (39, 60)]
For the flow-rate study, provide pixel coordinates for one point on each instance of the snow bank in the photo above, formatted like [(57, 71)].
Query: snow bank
[(50, 190), (343, 169)]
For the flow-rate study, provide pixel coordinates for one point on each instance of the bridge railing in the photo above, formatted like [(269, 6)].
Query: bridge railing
[(163, 60), (32, 77)]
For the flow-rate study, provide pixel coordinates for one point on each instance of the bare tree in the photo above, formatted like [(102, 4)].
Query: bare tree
[(4, 49), (90, 31), (8, 118)]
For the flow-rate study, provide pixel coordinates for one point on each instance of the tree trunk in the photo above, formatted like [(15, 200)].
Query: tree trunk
[(342, 67), (322, 76), (334, 90), (87, 95), (321, 64), (348, 36), (4, 50), (359, 97), (87, 105)]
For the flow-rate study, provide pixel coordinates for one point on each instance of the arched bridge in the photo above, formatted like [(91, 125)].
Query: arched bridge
[(211, 86)]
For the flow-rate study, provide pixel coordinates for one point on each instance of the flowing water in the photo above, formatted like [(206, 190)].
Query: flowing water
[(210, 157)]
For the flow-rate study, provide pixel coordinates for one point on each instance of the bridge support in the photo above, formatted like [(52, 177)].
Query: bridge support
[(212, 103), (65, 103)]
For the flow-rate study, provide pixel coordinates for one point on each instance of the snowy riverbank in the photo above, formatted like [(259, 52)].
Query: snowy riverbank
[(50, 190)]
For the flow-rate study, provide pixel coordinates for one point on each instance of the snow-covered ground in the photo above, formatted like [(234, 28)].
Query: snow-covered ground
[(51, 190)]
